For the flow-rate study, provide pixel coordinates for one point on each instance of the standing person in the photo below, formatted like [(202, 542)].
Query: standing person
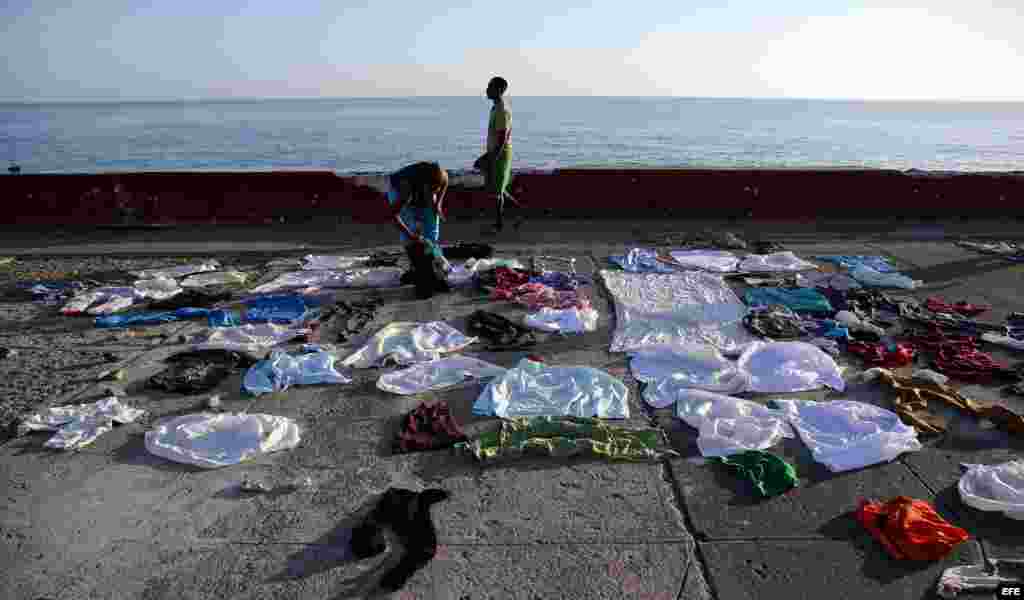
[(496, 164), (416, 195)]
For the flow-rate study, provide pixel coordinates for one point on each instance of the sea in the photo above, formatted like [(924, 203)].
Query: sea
[(376, 135)]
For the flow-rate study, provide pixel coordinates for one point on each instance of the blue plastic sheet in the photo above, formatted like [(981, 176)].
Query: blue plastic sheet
[(849, 261), (805, 300), (281, 309), (641, 260), (127, 320)]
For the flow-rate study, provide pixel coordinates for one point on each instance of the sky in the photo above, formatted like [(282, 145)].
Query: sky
[(843, 49)]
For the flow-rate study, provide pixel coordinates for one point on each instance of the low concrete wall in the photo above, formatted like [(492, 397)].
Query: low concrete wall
[(602, 193)]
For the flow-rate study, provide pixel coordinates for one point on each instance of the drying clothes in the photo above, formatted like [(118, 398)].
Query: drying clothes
[(880, 355), (878, 263), (855, 324), (566, 320), (215, 278), (157, 289), (501, 333), (130, 319), (719, 261), (766, 247), (465, 251), (428, 427), (640, 260), (319, 262), (828, 328), (871, 277), (936, 304), (776, 262), (680, 309), (282, 370), (252, 339), (384, 259), (727, 425), (803, 300), (351, 318), (465, 273), (79, 425), (991, 247), (559, 281), (827, 345), (101, 301), (1003, 340), (769, 281), (537, 389), (909, 529), (770, 474), (781, 367), (191, 376), (536, 296), (959, 357), (845, 435), (407, 513), (276, 309), (406, 343), (221, 440), (52, 292), (506, 280), (825, 279), (562, 437), (437, 375), (987, 576), (352, 278), (179, 271), (233, 360), (776, 322), (693, 365), (192, 298), (998, 488)]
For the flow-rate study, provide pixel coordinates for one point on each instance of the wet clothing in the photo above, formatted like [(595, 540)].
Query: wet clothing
[(502, 333), (909, 529), (429, 427), (770, 474)]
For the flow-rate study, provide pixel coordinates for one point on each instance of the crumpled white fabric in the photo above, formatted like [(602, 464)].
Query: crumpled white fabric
[(776, 262), (998, 488), (220, 440), (641, 260), (920, 375), (79, 425), (845, 435), (320, 262), (465, 273), (836, 281), (854, 323), (252, 338), (535, 389), (282, 370), (437, 374), (728, 425), (176, 272), (352, 278), (214, 278), (1003, 340), (679, 308), (869, 276), (160, 288), (101, 301), (565, 320), (689, 366), (407, 343), (720, 261), (780, 367)]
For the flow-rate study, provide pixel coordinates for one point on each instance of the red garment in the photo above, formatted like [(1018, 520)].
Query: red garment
[(936, 304), (909, 529), (879, 356), (959, 357), (429, 427), (508, 280)]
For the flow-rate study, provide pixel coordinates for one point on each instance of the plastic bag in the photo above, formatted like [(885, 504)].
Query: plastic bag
[(998, 488), (780, 367), (730, 425), (220, 440)]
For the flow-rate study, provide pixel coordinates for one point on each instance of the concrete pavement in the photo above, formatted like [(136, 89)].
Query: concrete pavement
[(116, 522)]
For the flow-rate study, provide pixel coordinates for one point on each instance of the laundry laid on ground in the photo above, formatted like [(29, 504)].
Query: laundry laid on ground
[(936, 304), (994, 488), (219, 440), (565, 320), (499, 332), (437, 375), (405, 343), (801, 300), (157, 289), (640, 260), (878, 263), (909, 529), (132, 319), (881, 355), (215, 278), (252, 339), (178, 271), (769, 474), (192, 298), (191, 376), (79, 425), (720, 261), (728, 425), (1001, 247), (430, 426), (776, 322), (282, 370), (781, 367), (826, 279), (870, 277), (350, 278), (320, 262), (536, 389), (101, 301), (669, 367), (775, 262), (563, 437), (467, 251)]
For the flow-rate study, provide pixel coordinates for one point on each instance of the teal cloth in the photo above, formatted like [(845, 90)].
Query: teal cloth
[(806, 300)]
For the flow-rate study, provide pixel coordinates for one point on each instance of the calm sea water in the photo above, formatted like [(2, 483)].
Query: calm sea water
[(375, 135)]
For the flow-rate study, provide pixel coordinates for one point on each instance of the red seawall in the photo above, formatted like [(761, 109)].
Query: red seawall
[(203, 197)]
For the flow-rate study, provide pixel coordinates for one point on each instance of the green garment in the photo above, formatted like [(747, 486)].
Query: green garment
[(499, 178), (770, 474), (563, 437)]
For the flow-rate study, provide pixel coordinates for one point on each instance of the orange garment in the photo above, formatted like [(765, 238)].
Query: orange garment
[(909, 529)]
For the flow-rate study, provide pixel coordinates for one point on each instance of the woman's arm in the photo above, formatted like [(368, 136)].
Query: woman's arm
[(396, 214), (439, 200)]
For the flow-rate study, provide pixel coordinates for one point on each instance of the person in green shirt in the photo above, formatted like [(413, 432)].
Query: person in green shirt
[(496, 164)]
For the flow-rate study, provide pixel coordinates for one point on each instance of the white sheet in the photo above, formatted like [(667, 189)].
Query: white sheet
[(214, 278), (253, 338), (220, 440), (101, 301), (728, 425), (845, 435), (160, 288), (282, 370), (79, 425), (321, 262), (536, 389), (720, 261), (437, 374), (677, 309), (998, 488), (693, 365), (176, 272), (352, 278), (408, 343), (566, 320), (781, 367), (776, 262)]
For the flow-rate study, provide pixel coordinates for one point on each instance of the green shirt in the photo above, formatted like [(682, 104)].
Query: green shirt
[(501, 119)]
